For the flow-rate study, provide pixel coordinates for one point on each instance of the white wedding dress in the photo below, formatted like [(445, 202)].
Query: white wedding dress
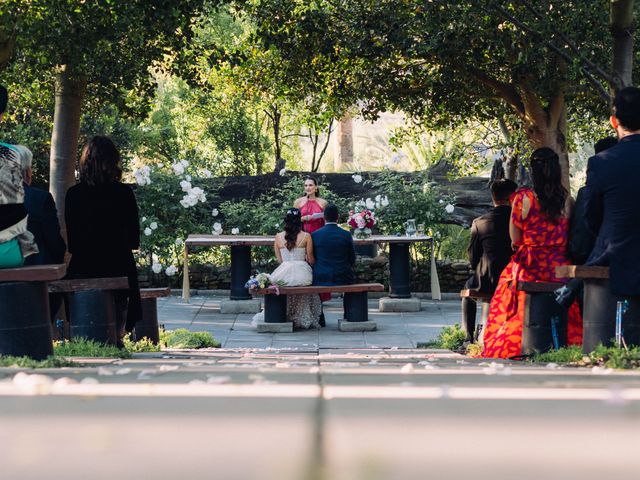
[(303, 310)]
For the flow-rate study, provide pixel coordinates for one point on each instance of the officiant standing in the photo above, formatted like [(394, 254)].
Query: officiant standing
[(311, 206)]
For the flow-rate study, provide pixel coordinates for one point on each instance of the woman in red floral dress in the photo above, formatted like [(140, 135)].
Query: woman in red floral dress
[(539, 230)]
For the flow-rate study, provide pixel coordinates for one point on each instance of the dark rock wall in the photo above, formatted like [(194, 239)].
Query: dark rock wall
[(452, 275)]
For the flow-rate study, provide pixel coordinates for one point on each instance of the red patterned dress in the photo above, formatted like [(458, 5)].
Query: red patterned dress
[(544, 245)]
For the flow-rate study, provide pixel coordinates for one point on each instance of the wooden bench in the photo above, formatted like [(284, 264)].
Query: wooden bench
[(25, 326), (543, 317), (147, 327), (92, 307), (471, 329), (356, 312), (599, 310)]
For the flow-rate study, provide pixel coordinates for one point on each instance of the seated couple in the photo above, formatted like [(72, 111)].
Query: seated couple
[(325, 257)]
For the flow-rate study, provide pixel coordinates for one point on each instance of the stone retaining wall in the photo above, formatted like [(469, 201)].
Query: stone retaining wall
[(452, 275)]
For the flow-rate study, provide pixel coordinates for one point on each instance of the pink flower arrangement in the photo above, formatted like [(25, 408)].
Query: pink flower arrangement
[(362, 219)]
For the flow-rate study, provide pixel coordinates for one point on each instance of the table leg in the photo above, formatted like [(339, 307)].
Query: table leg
[(186, 287), (399, 269), (240, 272)]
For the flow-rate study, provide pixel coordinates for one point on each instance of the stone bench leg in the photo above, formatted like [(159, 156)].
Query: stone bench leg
[(275, 315), (147, 326), (537, 332), (599, 320), (25, 326), (92, 315), (356, 313)]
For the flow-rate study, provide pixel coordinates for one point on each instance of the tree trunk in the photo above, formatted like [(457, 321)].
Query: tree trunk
[(276, 117), (69, 95), (343, 145), (554, 137), (622, 28)]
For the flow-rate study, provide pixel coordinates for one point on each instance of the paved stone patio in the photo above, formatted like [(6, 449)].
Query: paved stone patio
[(400, 330)]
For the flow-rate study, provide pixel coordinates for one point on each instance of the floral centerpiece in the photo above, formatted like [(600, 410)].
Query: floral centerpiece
[(362, 222), (263, 280)]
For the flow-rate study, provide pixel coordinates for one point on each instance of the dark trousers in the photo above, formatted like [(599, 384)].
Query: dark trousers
[(469, 309)]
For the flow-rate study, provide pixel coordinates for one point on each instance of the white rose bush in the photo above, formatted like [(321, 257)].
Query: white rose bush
[(172, 202)]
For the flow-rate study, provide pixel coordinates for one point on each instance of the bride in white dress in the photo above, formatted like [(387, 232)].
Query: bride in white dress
[(294, 251)]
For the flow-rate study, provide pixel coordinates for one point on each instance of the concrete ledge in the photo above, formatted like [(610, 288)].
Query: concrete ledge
[(225, 293), (240, 306), (284, 327), (346, 326), (388, 304)]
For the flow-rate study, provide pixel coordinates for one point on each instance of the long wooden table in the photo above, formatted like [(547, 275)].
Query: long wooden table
[(399, 261)]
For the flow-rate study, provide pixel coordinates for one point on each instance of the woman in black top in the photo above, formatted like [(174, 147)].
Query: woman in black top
[(102, 224)]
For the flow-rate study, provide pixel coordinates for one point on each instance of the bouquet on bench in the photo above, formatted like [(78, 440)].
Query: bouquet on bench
[(263, 280)]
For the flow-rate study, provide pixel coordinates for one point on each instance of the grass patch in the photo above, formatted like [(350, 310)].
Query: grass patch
[(81, 347), (609, 357), (183, 338), (142, 345), (28, 362), (449, 338)]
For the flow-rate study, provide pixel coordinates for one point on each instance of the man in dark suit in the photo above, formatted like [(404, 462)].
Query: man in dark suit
[(612, 210), (43, 218), (581, 239), (489, 250), (334, 253)]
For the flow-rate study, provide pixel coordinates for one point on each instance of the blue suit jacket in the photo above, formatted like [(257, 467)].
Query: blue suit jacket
[(612, 212), (335, 256), (43, 223)]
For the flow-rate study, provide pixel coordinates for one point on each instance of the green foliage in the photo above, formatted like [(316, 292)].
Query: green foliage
[(141, 345), (54, 361), (452, 242), (82, 347), (410, 196), (449, 338), (159, 203), (608, 357), (183, 338), (570, 354)]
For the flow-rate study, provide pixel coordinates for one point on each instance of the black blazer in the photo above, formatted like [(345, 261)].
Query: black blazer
[(43, 223), (334, 254), (613, 182), (102, 230), (489, 249), (581, 239)]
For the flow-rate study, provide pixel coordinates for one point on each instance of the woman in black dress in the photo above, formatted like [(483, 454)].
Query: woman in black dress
[(103, 228)]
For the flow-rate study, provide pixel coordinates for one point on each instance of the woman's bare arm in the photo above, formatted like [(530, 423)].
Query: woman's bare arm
[(310, 258), (276, 248)]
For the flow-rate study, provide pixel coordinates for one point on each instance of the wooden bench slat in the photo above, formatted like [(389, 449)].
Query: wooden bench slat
[(357, 287), (155, 292), (468, 293), (83, 284), (582, 271), (539, 287), (37, 273)]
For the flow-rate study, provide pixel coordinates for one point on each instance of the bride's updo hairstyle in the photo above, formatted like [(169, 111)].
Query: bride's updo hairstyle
[(547, 182), (292, 227)]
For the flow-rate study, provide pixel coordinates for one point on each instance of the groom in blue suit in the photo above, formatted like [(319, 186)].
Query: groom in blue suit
[(334, 253)]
